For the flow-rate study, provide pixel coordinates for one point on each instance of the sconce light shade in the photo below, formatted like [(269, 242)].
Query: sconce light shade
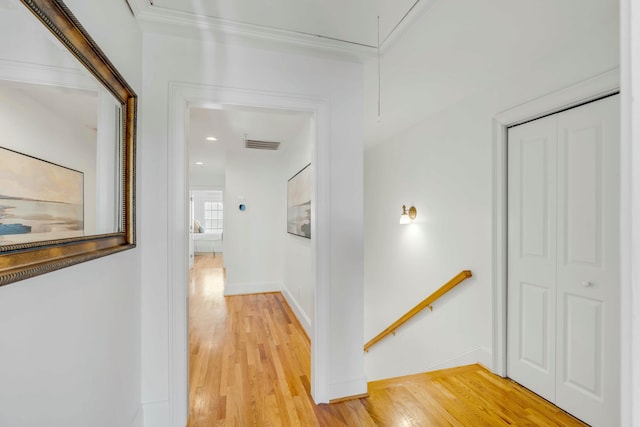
[(407, 216)]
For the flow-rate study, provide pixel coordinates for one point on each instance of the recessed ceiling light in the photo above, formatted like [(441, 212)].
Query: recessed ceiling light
[(199, 163), (211, 138)]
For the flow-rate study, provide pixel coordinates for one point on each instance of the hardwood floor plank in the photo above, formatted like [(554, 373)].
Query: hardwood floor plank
[(250, 366)]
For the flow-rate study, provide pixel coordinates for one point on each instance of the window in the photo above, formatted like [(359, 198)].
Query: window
[(212, 216)]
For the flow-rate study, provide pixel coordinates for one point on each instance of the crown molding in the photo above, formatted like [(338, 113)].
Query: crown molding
[(164, 21), (167, 21)]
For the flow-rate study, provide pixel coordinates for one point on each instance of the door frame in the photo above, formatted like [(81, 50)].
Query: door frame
[(596, 87), (180, 97)]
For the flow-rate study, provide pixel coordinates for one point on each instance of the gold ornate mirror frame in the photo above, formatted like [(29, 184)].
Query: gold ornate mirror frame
[(21, 261)]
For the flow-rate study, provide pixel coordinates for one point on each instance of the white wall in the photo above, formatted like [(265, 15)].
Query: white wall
[(51, 137), (298, 278), (460, 47), (71, 339), (443, 171), (442, 164), (253, 238), (168, 60), (205, 179)]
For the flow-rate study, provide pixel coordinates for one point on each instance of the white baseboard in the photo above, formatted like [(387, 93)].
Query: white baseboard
[(304, 320), (480, 354), (352, 387), (156, 414), (251, 288), (138, 419)]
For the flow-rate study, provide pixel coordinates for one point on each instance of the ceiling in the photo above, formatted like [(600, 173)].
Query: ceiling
[(340, 26), (336, 24), (229, 125), (429, 61), (348, 22)]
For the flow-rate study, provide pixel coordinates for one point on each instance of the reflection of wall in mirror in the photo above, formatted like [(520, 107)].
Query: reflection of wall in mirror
[(62, 118), (30, 128)]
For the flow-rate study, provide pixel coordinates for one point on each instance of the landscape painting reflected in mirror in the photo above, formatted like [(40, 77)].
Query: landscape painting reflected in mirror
[(38, 200)]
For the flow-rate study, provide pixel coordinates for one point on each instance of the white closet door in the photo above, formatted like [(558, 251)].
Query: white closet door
[(563, 266), (588, 346), (532, 256)]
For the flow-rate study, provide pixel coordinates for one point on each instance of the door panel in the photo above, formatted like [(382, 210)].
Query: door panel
[(581, 173), (534, 325), (588, 279), (532, 256), (582, 364), (534, 190)]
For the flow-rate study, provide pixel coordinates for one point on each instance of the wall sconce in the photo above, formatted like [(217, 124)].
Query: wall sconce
[(407, 217)]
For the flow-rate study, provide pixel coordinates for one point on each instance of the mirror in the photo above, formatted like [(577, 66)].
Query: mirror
[(67, 147)]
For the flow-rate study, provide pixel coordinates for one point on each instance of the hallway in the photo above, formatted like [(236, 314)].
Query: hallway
[(249, 361)]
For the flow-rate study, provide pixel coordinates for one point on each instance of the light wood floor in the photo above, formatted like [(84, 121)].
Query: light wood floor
[(250, 367)]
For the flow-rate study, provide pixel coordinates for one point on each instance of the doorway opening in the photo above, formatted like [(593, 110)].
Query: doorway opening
[(181, 98), (239, 161)]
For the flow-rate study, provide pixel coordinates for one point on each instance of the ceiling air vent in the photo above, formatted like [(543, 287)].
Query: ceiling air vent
[(261, 145)]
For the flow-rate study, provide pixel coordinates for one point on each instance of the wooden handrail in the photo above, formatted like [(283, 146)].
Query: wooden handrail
[(465, 274)]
